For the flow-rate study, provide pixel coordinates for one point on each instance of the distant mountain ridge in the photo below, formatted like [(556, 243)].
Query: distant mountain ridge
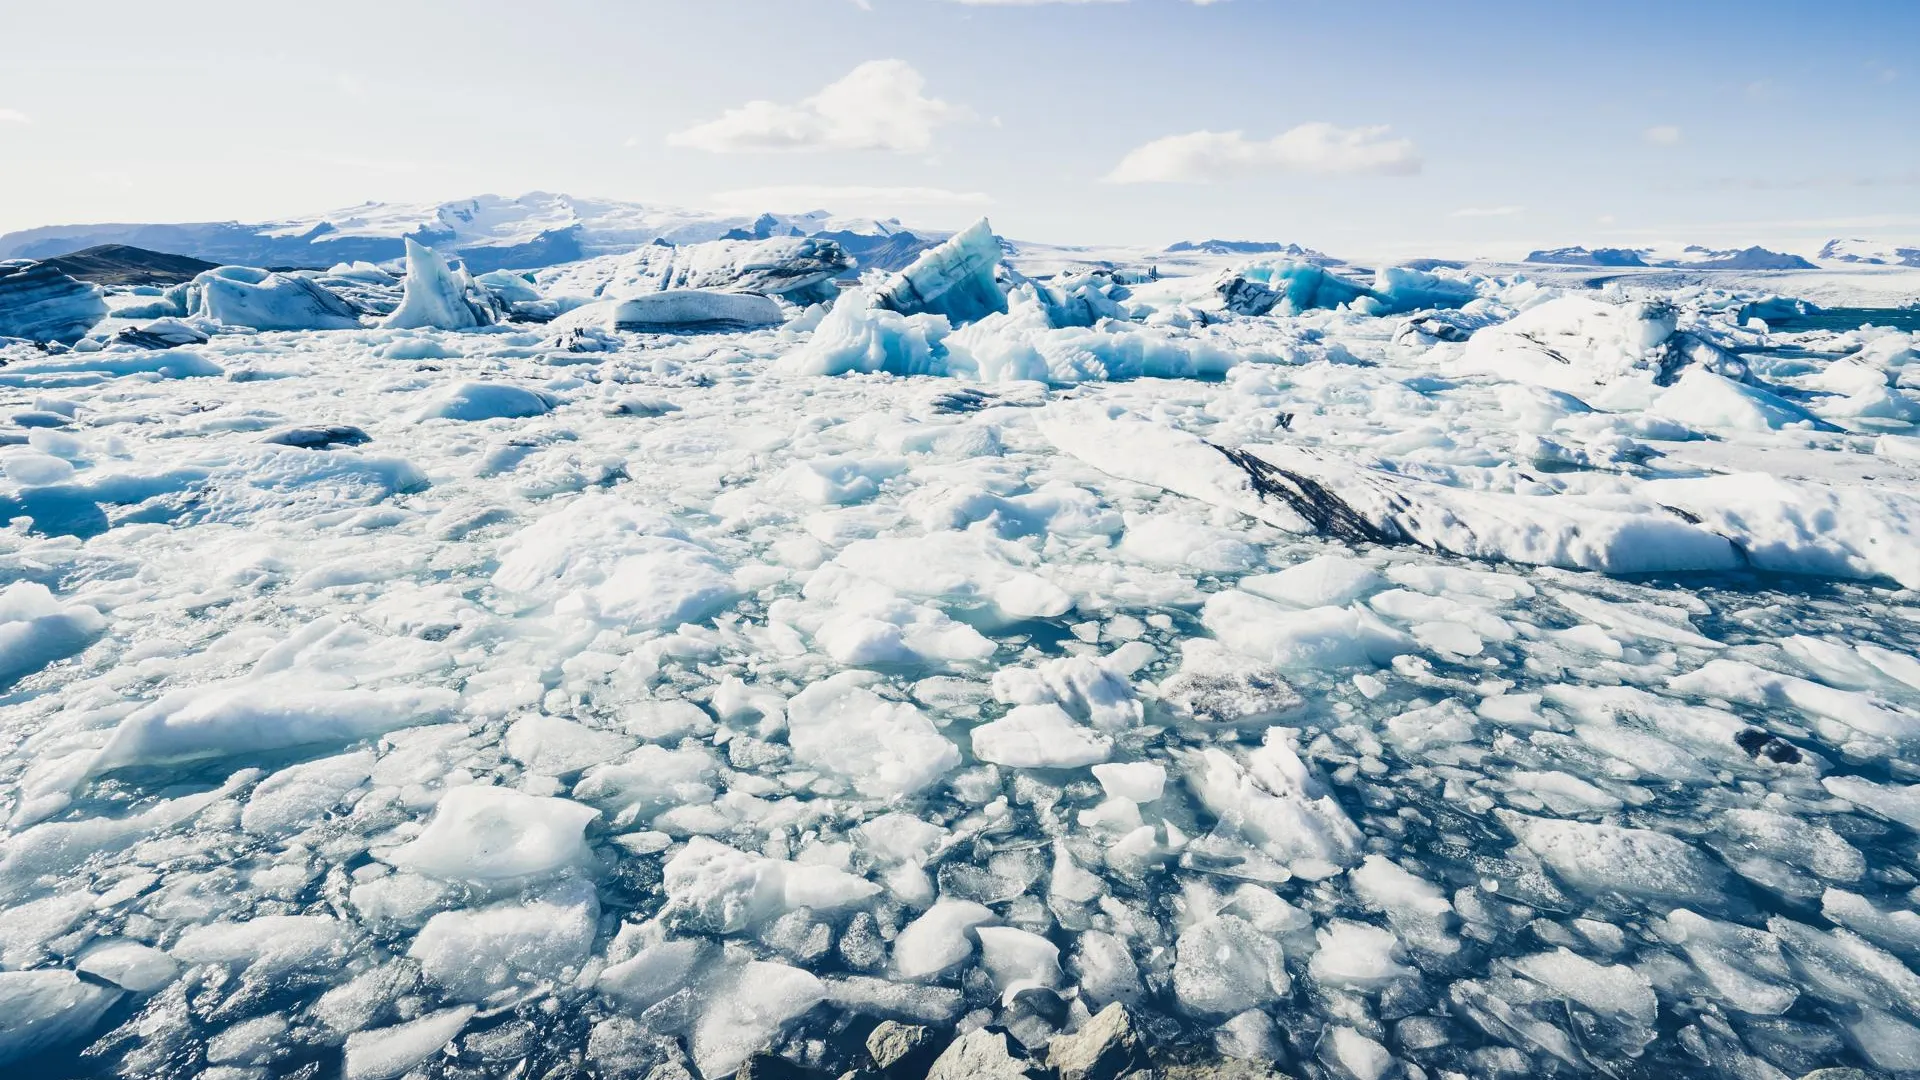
[(1692, 257), (1249, 247), (1870, 252), (487, 232)]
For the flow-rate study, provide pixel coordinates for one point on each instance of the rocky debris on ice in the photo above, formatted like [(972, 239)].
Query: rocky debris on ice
[(438, 296), (161, 334), (1219, 686), (956, 279), (1310, 491), (794, 268), (39, 303), (1583, 346)]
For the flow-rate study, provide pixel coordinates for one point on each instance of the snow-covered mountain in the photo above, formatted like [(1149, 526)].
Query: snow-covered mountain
[(1871, 252), (1691, 257), (488, 232), (1249, 247)]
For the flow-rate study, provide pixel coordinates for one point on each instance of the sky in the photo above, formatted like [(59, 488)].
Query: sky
[(1390, 128)]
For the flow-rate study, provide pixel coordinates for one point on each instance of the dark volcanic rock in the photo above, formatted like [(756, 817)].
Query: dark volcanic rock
[(123, 264)]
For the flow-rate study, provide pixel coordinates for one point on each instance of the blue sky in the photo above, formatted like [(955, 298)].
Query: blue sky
[(1391, 128)]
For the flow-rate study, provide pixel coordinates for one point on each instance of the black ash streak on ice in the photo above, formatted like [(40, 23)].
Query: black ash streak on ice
[(1451, 726)]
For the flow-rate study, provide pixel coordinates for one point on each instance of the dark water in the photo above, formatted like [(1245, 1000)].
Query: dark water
[(1850, 319)]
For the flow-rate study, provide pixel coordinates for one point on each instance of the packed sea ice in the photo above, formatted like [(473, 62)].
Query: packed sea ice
[(1421, 676)]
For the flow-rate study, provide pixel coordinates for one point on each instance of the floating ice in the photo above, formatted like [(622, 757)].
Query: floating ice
[(1039, 737), (489, 401), (1329, 694), (472, 954), (676, 310), (36, 629), (884, 748), (483, 833), (40, 1010), (796, 267), (719, 889)]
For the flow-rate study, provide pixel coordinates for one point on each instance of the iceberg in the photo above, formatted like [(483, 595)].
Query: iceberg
[(1286, 287), (676, 311), (440, 297), (861, 334), (39, 303), (795, 268), (1313, 491), (1399, 289), (263, 300), (956, 279), (1577, 344)]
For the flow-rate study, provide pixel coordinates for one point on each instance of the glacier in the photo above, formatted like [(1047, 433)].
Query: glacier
[(722, 658)]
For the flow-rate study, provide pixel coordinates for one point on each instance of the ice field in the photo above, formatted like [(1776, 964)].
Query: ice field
[(629, 667)]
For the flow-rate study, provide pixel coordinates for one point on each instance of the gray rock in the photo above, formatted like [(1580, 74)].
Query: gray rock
[(1838, 1074), (39, 303), (1105, 1048), (900, 1049), (1219, 1070), (765, 1066), (984, 1054)]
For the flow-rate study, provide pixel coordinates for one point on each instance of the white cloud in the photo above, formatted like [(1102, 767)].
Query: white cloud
[(1205, 156), (1487, 211), (1663, 135), (879, 105), (14, 116), (854, 198)]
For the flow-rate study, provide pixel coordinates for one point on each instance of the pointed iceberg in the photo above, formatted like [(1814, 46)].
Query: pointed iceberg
[(439, 296), (955, 279)]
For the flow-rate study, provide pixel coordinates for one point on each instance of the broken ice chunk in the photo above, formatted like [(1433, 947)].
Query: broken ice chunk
[(481, 833), (1039, 737)]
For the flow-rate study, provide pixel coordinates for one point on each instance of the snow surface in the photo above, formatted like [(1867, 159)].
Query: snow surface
[(1473, 675)]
